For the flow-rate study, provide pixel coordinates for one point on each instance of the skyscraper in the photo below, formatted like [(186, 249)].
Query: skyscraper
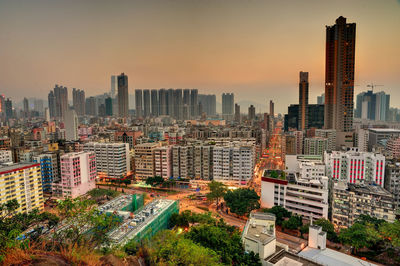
[(194, 105), (154, 103), (146, 103), (339, 75), (178, 100), (71, 125), (237, 112), (26, 108), (303, 101), (123, 97), (271, 108), (109, 106), (162, 101), (321, 99), (61, 101), (170, 102), (52, 104), (78, 101), (139, 103), (9, 110), (209, 103), (227, 105), (252, 112), (114, 85)]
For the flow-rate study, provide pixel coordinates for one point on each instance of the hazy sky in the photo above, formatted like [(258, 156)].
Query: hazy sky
[(253, 48)]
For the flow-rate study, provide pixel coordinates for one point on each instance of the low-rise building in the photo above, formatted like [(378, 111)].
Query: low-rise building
[(349, 201), (5, 156)]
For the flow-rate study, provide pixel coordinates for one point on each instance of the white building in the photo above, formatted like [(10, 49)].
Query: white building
[(71, 125), (355, 167), (315, 145), (307, 197), (362, 140), (329, 134), (233, 162), (5, 156), (112, 159)]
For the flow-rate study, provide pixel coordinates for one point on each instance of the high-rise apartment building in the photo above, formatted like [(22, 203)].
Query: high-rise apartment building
[(91, 106), (208, 103), (78, 174), (61, 101), (163, 161), (330, 135), (123, 96), (144, 160), (228, 105), (146, 103), (392, 181), (26, 107), (112, 159), (372, 106), (271, 108), (50, 170), (109, 106), (71, 125), (237, 113), (194, 105), (339, 75), (9, 108), (52, 104), (78, 101), (162, 101), (22, 182), (321, 99), (252, 113), (315, 145), (303, 101), (154, 103), (114, 86), (178, 104), (139, 103)]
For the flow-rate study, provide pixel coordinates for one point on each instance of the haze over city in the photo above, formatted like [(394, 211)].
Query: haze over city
[(254, 49)]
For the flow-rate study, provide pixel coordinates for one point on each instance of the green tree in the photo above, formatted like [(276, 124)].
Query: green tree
[(367, 219), (359, 236), (293, 223), (242, 200), (391, 232), (168, 248), (127, 182), (217, 191), (154, 181), (7, 209), (83, 224), (280, 213), (225, 241), (328, 227)]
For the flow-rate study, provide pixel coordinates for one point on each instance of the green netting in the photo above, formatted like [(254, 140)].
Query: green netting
[(137, 203), (159, 223)]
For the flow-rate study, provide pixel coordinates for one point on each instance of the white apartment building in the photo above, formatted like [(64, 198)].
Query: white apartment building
[(307, 197), (5, 156), (315, 145), (112, 159), (144, 160), (362, 139), (329, 134), (233, 162), (356, 167)]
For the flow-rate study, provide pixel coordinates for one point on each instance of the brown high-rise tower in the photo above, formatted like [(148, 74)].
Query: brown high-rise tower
[(339, 75), (303, 101)]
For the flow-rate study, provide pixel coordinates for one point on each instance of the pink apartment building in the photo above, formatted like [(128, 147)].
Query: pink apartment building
[(78, 174)]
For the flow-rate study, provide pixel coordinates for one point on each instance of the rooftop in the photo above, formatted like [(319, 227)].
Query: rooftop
[(259, 233), (284, 258), (15, 166), (332, 257), (385, 130)]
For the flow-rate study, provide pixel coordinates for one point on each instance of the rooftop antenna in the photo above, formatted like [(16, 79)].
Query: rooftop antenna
[(372, 86)]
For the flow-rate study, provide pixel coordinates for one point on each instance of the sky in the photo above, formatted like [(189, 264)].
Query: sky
[(253, 48)]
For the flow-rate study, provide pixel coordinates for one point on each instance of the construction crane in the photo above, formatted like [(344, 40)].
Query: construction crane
[(372, 86)]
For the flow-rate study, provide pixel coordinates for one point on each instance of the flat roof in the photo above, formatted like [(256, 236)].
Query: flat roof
[(332, 257), (385, 130), (16, 166), (258, 233)]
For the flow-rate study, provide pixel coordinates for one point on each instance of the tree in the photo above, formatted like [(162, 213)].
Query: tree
[(83, 224), (366, 219), (242, 200), (169, 248), (154, 181), (280, 213), (7, 209), (391, 232), (292, 223), (217, 191), (328, 227), (225, 240), (359, 236), (127, 182)]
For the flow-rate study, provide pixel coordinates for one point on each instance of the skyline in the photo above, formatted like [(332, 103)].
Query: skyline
[(191, 44)]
